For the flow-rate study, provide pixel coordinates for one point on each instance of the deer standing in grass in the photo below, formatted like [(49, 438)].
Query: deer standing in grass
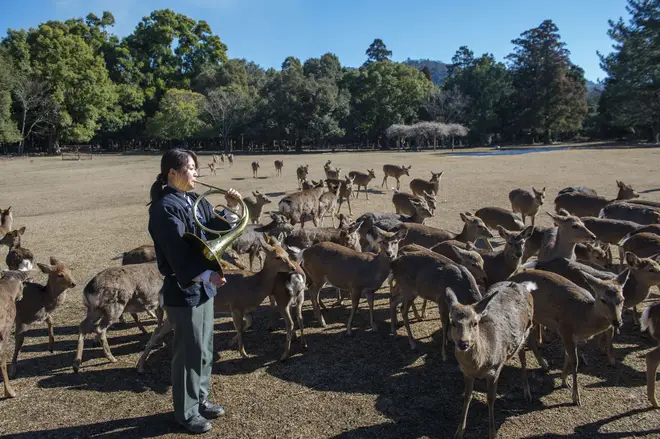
[(527, 203), (212, 168), (255, 205), (11, 291), (357, 272), (487, 334), (255, 169), (279, 164), (230, 159), (40, 302), (419, 186), (301, 173), (360, 179), (396, 172), (329, 172)]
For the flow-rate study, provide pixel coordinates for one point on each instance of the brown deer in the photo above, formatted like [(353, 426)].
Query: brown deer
[(212, 168), (360, 179), (486, 335), (419, 186), (130, 288), (396, 172), (329, 172), (230, 159), (11, 291), (527, 203), (651, 320), (560, 241), (426, 236), (6, 221), (609, 231), (583, 204), (643, 245), (345, 192), (644, 215), (357, 272), (255, 169), (403, 202), (18, 257), (255, 205), (40, 302), (301, 173), (328, 205), (496, 216), (300, 205), (575, 313), (279, 164)]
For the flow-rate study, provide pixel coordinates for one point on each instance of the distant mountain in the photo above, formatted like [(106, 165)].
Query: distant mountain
[(438, 69)]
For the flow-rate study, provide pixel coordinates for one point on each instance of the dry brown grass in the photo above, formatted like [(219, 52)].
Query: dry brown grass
[(370, 385)]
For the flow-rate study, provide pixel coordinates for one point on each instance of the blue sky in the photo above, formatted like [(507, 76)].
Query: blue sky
[(267, 31)]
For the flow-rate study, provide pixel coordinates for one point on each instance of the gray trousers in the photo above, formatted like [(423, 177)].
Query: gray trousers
[(192, 357)]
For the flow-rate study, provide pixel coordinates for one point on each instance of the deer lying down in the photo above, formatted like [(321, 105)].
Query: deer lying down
[(487, 334)]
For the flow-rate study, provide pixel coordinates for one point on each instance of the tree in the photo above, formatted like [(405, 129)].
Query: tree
[(178, 116), (427, 72), (446, 105), (631, 97), (550, 91), (377, 51), (38, 112), (228, 109), (8, 130)]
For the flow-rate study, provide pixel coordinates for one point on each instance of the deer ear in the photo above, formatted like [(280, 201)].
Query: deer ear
[(21, 230), (464, 218), (450, 299), (623, 277), (54, 260), (504, 233), (631, 259), (481, 307), (44, 268)]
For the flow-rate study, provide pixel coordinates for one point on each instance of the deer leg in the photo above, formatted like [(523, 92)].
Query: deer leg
[(467, 397), (370, 301), (51, 333), (156, 336), (139, 323), (523, 366), (350, 211), (299, 317), (355, 301), (423, 311), (394, 302), (652, 361), (340, 298), (237, 317), (272, 320), (288, 321), (609, 335), (106, 346), (19, 338), (444, 321), (398, 184), (9, 391), (491, 384), (570, 361), (635, 315), (523, 217), (406, 322), (384, 181), (532, 342), (314, 291)]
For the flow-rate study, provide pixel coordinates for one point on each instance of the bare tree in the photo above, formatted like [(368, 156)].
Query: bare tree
[(447, 106), (227, 110), (38, 111)]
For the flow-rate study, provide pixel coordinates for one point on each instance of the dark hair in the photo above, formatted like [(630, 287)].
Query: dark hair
[(172, 159)]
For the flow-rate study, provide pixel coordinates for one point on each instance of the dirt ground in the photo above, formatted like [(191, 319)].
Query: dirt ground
[(370, 385)]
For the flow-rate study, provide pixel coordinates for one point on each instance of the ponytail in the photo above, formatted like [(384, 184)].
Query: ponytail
[(156, 192)]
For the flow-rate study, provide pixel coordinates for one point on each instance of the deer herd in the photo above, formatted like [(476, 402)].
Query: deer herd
[(493, 303)]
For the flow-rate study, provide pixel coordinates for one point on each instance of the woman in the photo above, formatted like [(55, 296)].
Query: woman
[(188, 288)]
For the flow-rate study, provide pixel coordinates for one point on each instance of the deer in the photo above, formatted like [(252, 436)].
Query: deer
[(138, 255), (419, 186), (647, 203), (388, 221), (345, 192), (230, 159), (328, 205), (427, 274), (560, 241), (651, 228), (644, 215), (130, 288), (583, 204), (575, 313), (593, 256), (305, 238), (6, 221), (650, 320), (301, 173), (498, 265), (527, 203), (243, 292), (18, 257), (360, 179), (473, 228), (396, 172), (279, 164), (403, 202), (11, 291), (212, 168), (358, 272), (329, 172), (486, 335), (255, 205), (580, 189), (39, 303), (297, 206), (496, 216), (255, 169), (609, 231), (643, 245), (251, 240)]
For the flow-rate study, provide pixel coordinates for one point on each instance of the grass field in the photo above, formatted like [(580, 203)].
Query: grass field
[(368, 386)]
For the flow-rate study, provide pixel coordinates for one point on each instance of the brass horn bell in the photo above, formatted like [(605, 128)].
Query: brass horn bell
[(213, 249)]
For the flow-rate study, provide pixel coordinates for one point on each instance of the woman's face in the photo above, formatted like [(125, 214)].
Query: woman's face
[(184, 179)]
